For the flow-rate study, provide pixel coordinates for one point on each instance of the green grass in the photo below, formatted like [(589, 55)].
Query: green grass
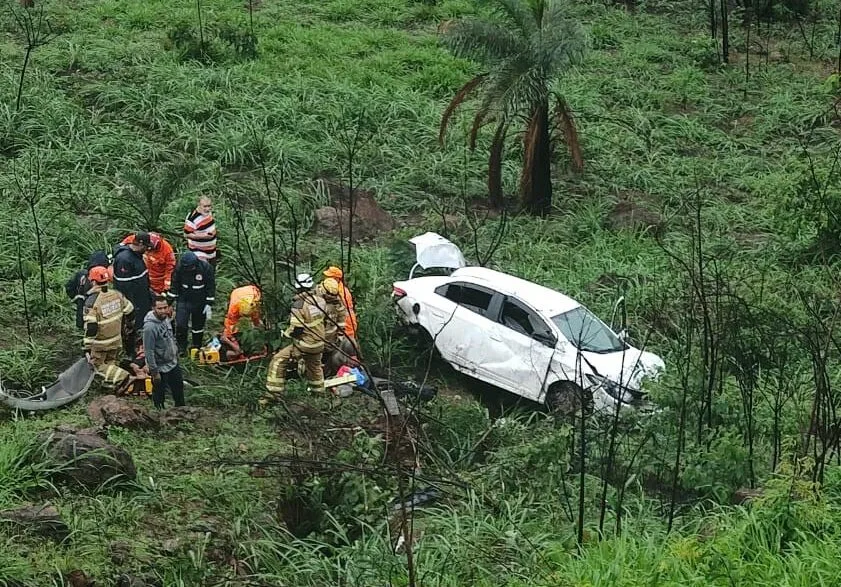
[(659, 121)]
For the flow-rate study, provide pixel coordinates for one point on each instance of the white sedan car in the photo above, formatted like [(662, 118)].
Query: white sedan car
[(525, 338)]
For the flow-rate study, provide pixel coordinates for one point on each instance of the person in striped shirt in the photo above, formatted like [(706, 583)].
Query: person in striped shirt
[(200, 231)]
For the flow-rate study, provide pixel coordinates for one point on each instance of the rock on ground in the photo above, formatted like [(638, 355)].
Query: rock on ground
[(110, 410), (41, 519), (87, 459), (369, 219)]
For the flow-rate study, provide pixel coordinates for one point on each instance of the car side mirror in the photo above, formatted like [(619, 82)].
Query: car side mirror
[(622, 334), (546, 338)]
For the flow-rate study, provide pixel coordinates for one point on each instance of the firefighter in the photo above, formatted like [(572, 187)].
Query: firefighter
[(347, 299), (109, 325), (306, 329), (159, 258), (339, 348), (131, 277), (77, 286), (194, 291), (244, 303)]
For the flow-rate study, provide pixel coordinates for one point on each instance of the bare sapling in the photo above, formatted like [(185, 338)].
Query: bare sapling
[(35, 31)]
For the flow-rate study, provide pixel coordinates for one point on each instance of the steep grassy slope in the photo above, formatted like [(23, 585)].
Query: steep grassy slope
[(663, 126)]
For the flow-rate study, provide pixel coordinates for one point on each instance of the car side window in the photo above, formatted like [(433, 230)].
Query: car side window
[(520, 319), (516, 318), (475, 300)]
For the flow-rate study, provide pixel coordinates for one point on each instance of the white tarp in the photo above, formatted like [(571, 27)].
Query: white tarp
[(433, 250)]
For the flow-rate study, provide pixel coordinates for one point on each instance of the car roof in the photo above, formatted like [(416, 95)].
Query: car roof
[(545, 300)]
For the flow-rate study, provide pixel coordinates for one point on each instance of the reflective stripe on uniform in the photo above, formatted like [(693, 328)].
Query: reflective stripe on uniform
[(114, 318), (309, 346), (132, 278), (108, 344), (112, 374)]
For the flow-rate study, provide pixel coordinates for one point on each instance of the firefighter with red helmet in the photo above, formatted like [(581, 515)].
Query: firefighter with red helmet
[(108, 327)]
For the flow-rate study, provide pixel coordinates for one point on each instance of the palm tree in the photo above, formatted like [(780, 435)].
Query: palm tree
[(530, 46), (142, 196)]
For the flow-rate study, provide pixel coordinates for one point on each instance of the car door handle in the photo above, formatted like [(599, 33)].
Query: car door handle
[(495, 337)]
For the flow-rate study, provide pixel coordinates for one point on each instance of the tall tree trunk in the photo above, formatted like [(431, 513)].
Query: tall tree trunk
[(495, 195), (838, 39), (536, 180), (725, 33), (711, 10)]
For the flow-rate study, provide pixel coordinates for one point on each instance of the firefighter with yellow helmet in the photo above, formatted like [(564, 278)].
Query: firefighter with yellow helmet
[(340, 348), (336, 313), (244, 303), (306, 329), (109, 327)]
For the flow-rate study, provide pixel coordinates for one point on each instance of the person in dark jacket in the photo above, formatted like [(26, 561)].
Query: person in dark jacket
[(78, 285), (162, 354), (131, 278), (193, 290)]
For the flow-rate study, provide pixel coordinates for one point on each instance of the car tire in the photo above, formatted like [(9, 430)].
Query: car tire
[(564, 398)]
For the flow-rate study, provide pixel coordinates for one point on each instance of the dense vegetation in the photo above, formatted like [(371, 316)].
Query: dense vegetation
[(708, 195)]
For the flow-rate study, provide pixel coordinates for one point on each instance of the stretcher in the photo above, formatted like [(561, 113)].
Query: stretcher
[(71, 384)]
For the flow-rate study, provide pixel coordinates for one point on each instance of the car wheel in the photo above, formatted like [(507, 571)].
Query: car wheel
[(564, 398)]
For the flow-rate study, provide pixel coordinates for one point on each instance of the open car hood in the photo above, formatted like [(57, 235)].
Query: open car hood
[(433, 250)]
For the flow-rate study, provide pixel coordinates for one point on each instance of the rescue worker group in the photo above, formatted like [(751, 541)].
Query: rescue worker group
[(125, 301)]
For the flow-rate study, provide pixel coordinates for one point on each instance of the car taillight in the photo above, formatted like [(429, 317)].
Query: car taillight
[(398, 293)]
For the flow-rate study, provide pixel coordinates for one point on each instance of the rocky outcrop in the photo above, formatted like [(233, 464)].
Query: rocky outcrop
[(86, 459), (40, 519), (110, 410), (369, 218)]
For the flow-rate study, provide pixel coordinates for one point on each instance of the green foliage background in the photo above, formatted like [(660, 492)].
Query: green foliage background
[(127, 90)]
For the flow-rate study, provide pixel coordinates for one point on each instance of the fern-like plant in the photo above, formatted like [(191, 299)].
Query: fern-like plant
[(142, 197)]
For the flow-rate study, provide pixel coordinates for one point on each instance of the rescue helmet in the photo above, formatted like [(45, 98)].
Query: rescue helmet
[(246, 306), (99, 275), (331, 286), (334, 272), (189, 261), (303, 281)]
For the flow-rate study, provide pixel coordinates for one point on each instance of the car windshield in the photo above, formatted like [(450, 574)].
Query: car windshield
[(583, 329)]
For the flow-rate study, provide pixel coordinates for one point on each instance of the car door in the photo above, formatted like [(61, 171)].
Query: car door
[(530, 343), (465, 316)]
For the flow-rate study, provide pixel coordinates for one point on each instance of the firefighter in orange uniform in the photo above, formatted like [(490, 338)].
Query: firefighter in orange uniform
[(244, 303), (160, 261), (347, 299)]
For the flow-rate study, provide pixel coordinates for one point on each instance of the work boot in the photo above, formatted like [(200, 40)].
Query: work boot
[(198, 339), (269, 398)]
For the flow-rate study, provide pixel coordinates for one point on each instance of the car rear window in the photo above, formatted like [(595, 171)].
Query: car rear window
[(471, 298)]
